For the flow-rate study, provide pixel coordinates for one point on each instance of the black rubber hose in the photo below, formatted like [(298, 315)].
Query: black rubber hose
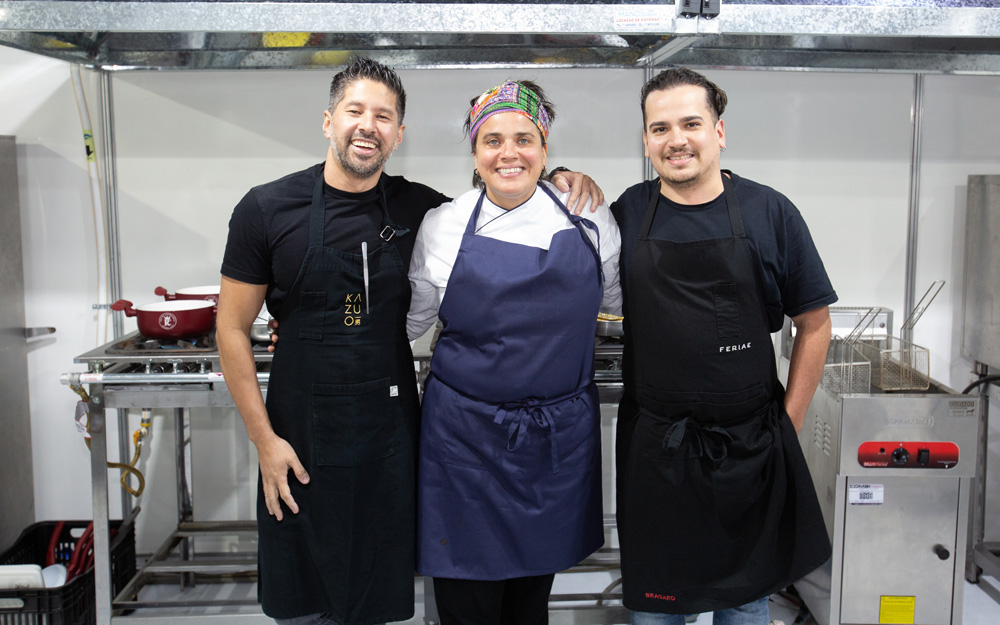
[(985, 380)]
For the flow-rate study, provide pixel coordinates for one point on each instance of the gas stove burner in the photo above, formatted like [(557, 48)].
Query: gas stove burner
[(143, 345)]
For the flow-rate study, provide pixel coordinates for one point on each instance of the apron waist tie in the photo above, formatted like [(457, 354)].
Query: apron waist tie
[(518, 413), (709, 442)]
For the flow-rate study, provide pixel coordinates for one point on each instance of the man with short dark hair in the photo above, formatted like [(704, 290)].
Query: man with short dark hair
[(328, 249), (716, 508)]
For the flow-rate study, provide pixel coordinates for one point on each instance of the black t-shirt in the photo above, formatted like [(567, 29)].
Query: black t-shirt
[(269, 229), (792, 274)]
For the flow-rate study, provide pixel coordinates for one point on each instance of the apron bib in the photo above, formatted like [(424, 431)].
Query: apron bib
[(342, 392), (510, 468), (716, 507)]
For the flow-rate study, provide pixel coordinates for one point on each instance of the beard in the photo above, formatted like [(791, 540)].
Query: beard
[(684, 179), (355, 166)]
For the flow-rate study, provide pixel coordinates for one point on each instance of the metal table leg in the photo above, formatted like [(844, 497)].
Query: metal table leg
[(185, 508), (99, 488)]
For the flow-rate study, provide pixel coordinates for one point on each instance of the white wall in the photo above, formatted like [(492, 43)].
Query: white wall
[(191, 143), (961, 138), (838, 146), (37, 106)]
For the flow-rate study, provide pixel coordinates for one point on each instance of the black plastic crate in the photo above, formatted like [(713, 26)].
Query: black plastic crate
[(72, 603)]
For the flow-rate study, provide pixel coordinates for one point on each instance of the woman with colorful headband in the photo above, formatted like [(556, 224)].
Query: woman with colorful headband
[(509, 480)]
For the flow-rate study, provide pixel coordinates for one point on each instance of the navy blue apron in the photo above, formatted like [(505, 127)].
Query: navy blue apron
[(509, 483), (716, 507), (342, 392)]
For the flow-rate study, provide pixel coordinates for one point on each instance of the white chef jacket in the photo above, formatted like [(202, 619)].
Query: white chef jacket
[(532, 223)]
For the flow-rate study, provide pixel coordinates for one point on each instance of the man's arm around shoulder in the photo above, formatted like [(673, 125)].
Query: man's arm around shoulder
[(812, 338), (239, 303)]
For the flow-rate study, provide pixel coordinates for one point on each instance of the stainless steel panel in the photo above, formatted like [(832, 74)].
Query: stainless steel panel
[(891, 549), (515, 17), (981, 334), (888, 549), (17, 496), (245, 35), (820, 439)]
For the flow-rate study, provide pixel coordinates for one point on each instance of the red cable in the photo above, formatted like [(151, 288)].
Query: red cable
[(50, 553), (77, 559)]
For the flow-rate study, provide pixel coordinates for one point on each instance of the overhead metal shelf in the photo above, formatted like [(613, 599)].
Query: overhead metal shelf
[(911, 36)]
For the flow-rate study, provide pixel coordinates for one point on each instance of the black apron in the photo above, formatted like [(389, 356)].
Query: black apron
[(342, 392), (716, 507)]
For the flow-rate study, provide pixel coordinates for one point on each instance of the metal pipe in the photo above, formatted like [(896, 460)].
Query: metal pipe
[(111, 198), (913, 216), (647, 165), (77, 379), (977, 515), (113, 249), (101, 233)]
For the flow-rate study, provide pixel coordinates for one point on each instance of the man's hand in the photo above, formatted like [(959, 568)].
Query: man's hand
[(276, 457), (272, 330), (581, 188)]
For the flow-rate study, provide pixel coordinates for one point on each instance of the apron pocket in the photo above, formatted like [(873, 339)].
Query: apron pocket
[(577, 427), (353, 423), (473, 440), (727, 310), (312, 309)]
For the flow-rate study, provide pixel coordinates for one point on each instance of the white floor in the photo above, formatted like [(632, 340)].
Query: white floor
[(982, 602), (981, 605)]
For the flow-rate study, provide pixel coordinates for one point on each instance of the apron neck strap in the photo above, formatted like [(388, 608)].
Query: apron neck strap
[(654, 200), (470, 228), (577, 221), (316, 211), (732, 206), (317, 217), (735, 214)]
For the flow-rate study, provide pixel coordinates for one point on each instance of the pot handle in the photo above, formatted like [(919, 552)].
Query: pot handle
[(165, 294), (125, 306)]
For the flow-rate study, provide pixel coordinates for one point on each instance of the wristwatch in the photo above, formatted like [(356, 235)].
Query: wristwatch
[(556, 171)]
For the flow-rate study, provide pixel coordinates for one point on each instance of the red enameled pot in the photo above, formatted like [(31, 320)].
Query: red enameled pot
[(171, 320), (210, 293)]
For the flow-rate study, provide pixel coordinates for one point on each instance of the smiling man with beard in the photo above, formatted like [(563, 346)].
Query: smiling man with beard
[(328, 250), (716, 509)]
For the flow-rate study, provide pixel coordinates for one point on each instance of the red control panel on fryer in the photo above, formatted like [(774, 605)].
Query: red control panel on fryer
[(908, 455)]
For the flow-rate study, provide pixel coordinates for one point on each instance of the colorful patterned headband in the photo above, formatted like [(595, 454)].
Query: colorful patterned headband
[(509, 97)]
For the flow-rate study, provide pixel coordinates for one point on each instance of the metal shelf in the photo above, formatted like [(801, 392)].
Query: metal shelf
[(119, 380)]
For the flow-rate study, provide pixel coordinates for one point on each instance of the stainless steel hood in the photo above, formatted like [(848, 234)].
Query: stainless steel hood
[(954, 36)]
